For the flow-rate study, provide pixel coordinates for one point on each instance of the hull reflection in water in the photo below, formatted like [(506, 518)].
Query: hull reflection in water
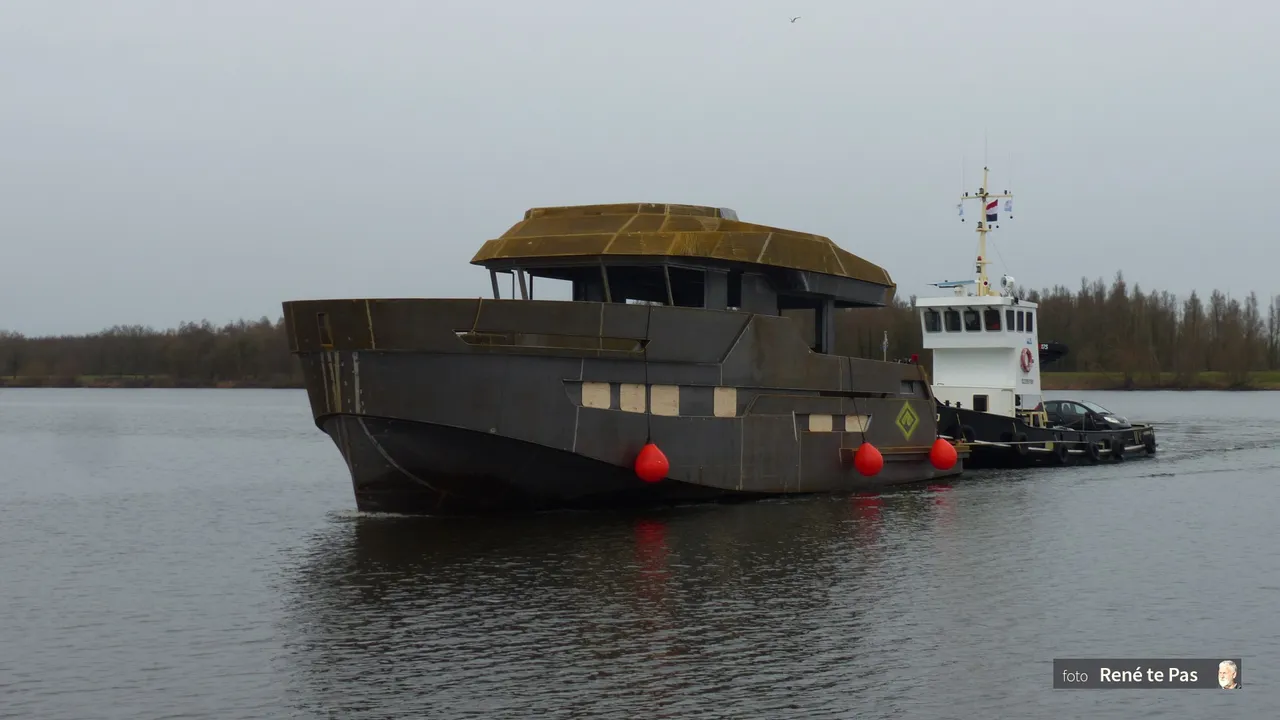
[(590, 612)]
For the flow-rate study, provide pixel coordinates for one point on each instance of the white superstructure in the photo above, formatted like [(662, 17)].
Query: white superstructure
[(986, 355), (986, 350)]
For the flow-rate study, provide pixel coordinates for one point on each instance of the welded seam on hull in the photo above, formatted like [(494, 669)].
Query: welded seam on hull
[(337, 379), (577, 409), (732, 346), (742, 451), (475, 321), (799, 455), (346, 446), (391, 461), (368, 313), (355, 373), (324, 380)]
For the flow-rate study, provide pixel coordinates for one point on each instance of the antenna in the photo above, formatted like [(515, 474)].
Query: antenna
[(988, 211)]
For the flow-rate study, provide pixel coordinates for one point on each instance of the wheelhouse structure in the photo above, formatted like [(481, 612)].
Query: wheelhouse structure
[(677, 330), (688, 257), (985, 353)]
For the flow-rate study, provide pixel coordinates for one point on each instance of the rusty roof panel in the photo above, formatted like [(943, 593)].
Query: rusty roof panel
[(678, 231)]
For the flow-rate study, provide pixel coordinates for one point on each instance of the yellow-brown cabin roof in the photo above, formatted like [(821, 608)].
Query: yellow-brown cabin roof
[(655, 229)]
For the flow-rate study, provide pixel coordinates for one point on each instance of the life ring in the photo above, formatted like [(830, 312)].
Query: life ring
[(1027, 360)]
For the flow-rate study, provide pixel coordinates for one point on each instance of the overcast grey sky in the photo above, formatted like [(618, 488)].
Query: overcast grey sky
[(166, 160)]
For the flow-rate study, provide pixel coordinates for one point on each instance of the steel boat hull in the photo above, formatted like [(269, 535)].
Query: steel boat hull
[(431, 420)]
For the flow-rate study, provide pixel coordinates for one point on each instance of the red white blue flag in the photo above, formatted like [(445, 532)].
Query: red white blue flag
[(991, 210)]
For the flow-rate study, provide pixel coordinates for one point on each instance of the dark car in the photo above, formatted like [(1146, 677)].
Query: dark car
[(1083, 415)]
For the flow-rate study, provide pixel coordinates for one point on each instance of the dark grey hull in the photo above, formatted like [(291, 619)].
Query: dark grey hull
[(432, 420), (409, 467), (422, 468)]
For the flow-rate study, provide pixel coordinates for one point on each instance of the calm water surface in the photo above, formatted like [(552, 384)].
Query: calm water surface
[(195, 554)]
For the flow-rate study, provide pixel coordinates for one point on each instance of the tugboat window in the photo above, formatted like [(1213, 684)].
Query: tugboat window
[(1030, 322), (932, 321), (992, 318), (972, 322), (952, 318), (1021, 315), (980, 403), (1008, 320)]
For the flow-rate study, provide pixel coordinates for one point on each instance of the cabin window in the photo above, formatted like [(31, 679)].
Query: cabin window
[(1021, 315), (1008, 320), (932, 321), (688, 286), (735, 289), (1030, 322), (952, 318), (980, 403), (325, 330), (972, 323), (992, 318)]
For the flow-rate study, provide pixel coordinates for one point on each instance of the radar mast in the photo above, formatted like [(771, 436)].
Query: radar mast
[(989, 210)]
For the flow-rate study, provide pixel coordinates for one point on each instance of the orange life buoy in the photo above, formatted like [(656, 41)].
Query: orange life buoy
[(1027, 360)]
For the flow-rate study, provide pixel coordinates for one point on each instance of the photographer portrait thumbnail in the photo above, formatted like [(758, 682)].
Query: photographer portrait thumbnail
[(1228, 675)]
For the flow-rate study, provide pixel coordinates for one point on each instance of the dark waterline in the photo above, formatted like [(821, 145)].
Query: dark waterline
[(194, 553)]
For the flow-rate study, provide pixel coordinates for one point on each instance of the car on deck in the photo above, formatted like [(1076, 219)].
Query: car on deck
[(1083, 415)]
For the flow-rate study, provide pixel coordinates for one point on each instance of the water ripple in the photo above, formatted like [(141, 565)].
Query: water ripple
[(197, 557)]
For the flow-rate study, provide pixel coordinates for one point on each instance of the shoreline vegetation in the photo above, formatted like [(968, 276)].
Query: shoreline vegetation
[(1117, 338)]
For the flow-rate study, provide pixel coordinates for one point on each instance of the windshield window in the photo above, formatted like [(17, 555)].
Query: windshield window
[(1096, 408)]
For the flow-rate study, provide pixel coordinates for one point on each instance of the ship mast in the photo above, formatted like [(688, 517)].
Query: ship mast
[(984, 197)]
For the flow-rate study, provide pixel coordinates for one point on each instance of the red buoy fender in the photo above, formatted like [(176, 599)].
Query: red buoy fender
[(868, 460), (651, 464), (943, 454)]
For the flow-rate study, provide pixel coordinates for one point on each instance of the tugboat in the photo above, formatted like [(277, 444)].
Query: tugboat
[(986, 378), (672, 374)]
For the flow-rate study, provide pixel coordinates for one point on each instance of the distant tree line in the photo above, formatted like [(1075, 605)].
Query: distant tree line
[(1117, 329), (241, 354)]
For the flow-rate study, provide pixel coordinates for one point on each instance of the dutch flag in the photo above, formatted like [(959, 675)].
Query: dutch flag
[(991, 210)]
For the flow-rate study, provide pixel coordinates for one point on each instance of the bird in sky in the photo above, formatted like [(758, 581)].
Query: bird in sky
[(795, 18)]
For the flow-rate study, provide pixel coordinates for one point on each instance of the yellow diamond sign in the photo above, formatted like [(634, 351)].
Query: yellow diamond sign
[(907, 420)]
